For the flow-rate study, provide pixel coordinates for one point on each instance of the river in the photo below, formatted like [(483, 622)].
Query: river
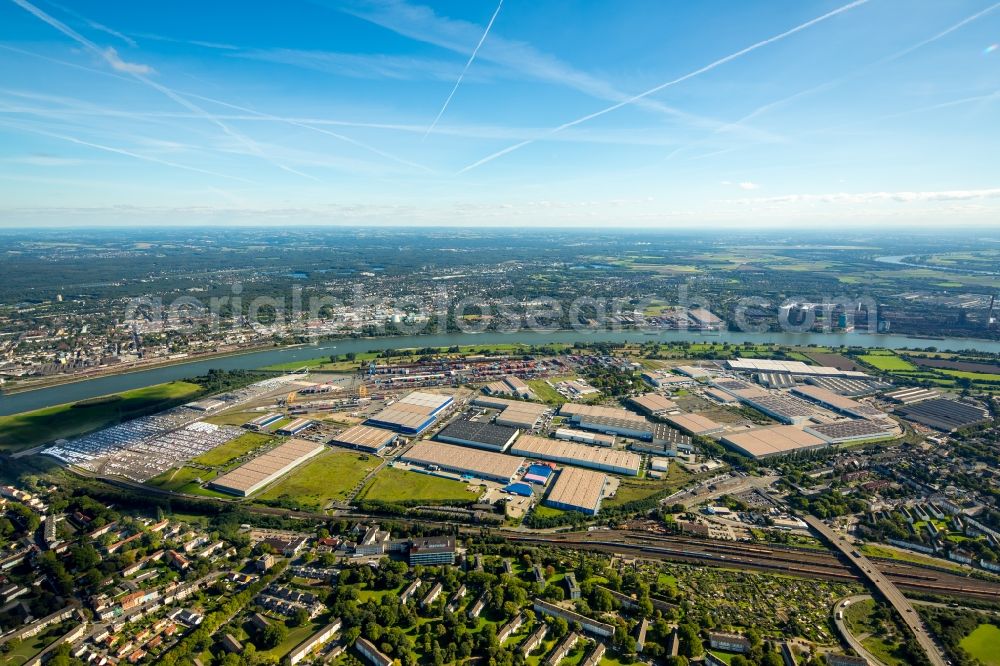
[(98, 386)]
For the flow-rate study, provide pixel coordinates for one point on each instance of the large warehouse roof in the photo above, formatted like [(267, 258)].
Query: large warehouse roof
[(364, 437), (846, 431), (773, 441), (944, 414), (516, 413), (653, 403), (260, 471), (578, 489), (414, 413), (696, 424), (463, 460), (574, 409), (841, 403), (603, 458), (793, 367), (482, 434)]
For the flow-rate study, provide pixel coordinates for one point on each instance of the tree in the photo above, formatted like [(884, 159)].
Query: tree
[(273, 635), (299, 617)]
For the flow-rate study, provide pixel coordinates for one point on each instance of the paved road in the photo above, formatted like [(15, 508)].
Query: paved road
[(888, 590), (839, 610)]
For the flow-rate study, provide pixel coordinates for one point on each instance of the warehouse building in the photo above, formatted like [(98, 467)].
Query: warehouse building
[(514, 413), (849, 387), (537, 474), (789, 367), (262, 422), (721, 396), (662, 378), (606, 460), (653, 404), (837, 402), (855, 430), (693, 371), (480, 434), (295, 427), (781, 407), (909, 396), (944, 414), (465, 461), (365, 438), (592, 438), (695, 424), (577, 489), (413, 414), (773, 441), (262, 470), (207, 405)]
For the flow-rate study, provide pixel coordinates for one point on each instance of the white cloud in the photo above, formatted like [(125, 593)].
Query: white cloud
[(877, 197), (116, 62), (747, 185)]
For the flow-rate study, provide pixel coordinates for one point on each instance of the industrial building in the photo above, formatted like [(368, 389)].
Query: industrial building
[(773, 441), (592, 438), (721, 396), (606, 460), (837, 402), (909, 396), (465, 461), (855, 430), (480, 434), (693, 371), (510, 386), (514, 413), (577, 489), (944, 414), (695, 424), (538, 474), (790, 367), (262, 422), (257, 473), (662, 378), (653, 404), (781, 406), (207, 405), (365, 438), (849, 387), (413, 414), (295, 427)]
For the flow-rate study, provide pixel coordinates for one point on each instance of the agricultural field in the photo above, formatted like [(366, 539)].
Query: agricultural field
[(887, 362), (396, 485), (23, 431), (328, 477), (545, 392)]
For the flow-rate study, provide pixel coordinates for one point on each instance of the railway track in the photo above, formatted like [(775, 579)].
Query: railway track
[(826, 566)]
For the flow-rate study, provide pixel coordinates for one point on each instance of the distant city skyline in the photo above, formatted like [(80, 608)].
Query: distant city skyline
[(558, 114)]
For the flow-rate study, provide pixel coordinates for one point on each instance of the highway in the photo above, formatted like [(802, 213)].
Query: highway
[(839, 619), (884, 586)]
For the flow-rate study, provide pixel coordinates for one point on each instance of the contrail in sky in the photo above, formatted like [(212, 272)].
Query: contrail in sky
[(109, 56), (462, 75), (690, 75)]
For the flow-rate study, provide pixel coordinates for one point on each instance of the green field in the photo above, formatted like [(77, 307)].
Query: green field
[(23, 431), (984, 644), (182, 479), (328, 477), (545, 392), (396, 485), (633, 489), (888, 362), (221, 455)]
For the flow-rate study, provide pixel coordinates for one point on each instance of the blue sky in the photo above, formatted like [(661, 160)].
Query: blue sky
[(563, 113)]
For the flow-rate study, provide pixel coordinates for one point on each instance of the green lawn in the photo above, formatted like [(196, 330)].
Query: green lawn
[(632, 489), (873, 550), (984, 644), (396, 485), (542, 511), (233, 449), (888, 362), (29, 429), (182, 479), (329, 476)]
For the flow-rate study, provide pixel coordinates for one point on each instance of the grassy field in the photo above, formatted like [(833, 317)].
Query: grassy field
[(888, 362), (396, 485), (858, 618), (182, 479), (23, 431), (328, 477), (873, 550), (221, 455), (632, 489), (545, 392), (984, 644)]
